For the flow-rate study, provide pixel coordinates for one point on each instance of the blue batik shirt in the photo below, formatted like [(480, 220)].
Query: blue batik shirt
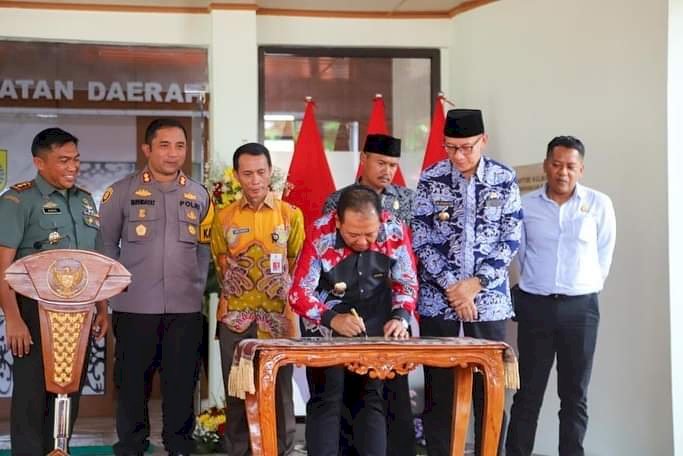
[(465, 227)]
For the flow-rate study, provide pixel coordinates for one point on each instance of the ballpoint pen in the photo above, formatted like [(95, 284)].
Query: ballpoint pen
[(355, 314)]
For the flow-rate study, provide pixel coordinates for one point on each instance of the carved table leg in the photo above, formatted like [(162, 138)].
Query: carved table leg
[(253, 418), (267, 376), (494, 387), (462, 405)]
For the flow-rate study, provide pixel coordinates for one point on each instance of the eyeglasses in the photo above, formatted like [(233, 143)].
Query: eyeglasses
[(465, 148)]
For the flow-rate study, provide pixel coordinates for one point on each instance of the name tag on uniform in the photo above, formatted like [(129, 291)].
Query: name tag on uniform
[(51, 207), (276, 263)]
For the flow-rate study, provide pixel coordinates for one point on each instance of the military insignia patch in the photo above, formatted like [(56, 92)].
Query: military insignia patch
[(192, 215), (146, 177), (141, 230), (182, 180), (142, 212), (107, 194), (143, 192), (189, 195), (54, 237), (192, 230), (21, 186)]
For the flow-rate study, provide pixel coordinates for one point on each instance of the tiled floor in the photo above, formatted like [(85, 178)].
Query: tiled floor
[(101, 431)]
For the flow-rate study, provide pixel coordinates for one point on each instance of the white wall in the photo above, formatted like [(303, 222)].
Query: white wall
[(675, 120), (597, 70), (106, 27)]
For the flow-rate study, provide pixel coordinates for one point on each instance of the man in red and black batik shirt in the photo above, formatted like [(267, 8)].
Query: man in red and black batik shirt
[(357, 259)]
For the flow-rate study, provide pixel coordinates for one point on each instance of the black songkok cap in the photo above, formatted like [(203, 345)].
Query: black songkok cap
[(463, 123), (383, 144)]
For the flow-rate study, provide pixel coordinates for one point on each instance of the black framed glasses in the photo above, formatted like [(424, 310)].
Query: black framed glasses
[(465, 148)]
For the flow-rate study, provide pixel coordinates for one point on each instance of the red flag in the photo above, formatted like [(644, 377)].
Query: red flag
[(309, 180), (378, 125), (434, 151)]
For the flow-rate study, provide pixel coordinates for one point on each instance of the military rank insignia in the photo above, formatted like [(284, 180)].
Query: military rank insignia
[(22, 186)]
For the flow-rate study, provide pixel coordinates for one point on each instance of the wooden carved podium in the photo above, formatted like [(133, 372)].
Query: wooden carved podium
[(67, 284)]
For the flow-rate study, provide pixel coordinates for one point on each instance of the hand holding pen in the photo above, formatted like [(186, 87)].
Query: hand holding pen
[(360, 320), (348, 324)]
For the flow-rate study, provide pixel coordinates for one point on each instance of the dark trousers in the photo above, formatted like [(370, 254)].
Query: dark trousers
[(236, 426), (32, 409), (145, 343), (399, 419), (329, 387), (549, 326), (437, 417), (399, 415)]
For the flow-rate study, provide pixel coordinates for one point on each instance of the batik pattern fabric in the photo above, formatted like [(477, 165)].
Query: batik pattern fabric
[(325, 250), (466, 227), (254, 251)]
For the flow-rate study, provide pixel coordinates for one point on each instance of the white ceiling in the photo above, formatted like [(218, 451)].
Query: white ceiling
[(436, 6)]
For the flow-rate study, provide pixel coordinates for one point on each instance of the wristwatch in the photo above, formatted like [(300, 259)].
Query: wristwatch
[(483, 281)]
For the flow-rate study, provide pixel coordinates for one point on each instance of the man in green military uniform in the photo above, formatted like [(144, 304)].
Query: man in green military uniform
[(48, 212)]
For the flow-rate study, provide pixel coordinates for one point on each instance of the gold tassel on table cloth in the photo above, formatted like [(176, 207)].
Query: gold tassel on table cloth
[(511, 369), (241, 379)]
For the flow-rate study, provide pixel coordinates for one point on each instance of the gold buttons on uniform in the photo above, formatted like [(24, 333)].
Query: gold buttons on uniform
[(444, 216)]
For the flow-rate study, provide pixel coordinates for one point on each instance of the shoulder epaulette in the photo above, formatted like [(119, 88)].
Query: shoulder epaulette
[(21, 186), (81, 189)]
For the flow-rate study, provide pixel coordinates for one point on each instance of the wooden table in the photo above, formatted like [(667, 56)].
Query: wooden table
[(378, 359)]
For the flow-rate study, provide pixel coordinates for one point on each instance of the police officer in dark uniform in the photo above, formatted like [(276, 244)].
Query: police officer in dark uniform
[(156, 222), (48, 212)]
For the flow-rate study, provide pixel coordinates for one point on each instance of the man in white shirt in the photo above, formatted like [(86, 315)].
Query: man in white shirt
[(564, 258)]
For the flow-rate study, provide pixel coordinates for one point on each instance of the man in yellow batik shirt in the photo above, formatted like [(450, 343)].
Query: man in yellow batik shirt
[(255, 242)]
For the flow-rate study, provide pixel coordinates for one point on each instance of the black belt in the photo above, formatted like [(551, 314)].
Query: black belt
[(557, 296)]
